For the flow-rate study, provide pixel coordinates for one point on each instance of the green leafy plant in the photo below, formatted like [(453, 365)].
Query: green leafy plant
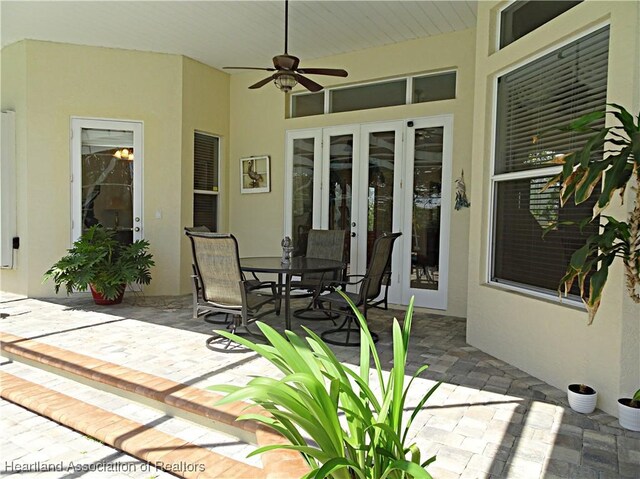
[(98, 259), (585, 174), (317, 389), (635, 400)]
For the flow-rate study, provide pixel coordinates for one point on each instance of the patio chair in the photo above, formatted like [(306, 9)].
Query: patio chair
[(368, 294), (252, 284), (196, 289), (323, 244), (223, 286)]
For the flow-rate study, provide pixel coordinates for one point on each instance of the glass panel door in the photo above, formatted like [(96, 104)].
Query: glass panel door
[(341, 192), (106, 160), (428, 201), (302, 195), (380, 183)]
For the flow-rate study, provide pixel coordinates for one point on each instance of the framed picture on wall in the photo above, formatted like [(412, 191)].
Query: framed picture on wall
[(254, 175)]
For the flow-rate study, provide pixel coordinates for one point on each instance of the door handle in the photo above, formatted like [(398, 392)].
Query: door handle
[(353, 235)]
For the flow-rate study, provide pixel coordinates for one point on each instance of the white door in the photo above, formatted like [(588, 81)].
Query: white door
[(427, 210), (106, 180)]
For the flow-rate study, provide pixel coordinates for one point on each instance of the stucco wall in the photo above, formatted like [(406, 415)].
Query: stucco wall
[(205, 107), (13, 96), (550, 340), (258, 127), (68, 80)]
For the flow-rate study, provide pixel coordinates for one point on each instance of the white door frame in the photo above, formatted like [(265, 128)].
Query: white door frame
[(435, 299), (79, 123)]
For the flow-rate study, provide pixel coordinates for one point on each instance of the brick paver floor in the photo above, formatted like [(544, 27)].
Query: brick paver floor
[(487, 420)]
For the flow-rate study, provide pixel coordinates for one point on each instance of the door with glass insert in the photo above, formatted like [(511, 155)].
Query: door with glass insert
[(427, 211), (339, 190), (106, 179)]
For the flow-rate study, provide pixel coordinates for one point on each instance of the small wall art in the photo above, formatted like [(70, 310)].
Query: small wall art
[(254, 175)]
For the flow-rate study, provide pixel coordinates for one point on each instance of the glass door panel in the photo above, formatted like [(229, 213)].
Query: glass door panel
[(302, 192), (381, 165), (427, 205), (340, 207), (107, 159)]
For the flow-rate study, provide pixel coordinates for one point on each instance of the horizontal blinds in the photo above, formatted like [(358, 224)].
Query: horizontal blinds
[(205, 210), (549, 92), (523, 212), (206, 153)]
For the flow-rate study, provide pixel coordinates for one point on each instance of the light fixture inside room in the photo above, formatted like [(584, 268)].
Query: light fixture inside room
[(124, 154), (285, 82)]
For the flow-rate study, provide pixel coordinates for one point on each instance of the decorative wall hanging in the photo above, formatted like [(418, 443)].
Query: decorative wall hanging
[(461, 193), (254, 175)]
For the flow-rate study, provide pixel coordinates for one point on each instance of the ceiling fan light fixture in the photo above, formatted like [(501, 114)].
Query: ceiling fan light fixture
[(285, 82)]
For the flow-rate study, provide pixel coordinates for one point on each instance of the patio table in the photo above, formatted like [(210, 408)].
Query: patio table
[(297, 266)]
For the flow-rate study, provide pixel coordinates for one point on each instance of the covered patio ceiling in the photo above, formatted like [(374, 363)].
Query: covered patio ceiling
[(230, 33)]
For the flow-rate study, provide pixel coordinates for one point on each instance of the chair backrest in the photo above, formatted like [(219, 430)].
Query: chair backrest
[(217, 265), (379, 266), (325, 244)]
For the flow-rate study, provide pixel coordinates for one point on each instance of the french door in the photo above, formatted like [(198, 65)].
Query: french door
[(360, 178), (106, 179)]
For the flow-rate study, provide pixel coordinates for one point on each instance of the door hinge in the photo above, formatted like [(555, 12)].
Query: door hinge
[(71, 133), (71, 178)]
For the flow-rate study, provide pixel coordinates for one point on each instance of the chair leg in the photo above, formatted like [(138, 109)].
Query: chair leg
[(346, 329)]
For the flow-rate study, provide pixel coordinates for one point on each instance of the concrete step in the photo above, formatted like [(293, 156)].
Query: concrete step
[(141, 389)]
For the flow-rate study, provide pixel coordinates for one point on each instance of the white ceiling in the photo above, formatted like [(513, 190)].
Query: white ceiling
[(233, 33)]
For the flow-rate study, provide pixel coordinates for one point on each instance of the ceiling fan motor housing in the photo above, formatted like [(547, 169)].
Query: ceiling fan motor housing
[(286, 62)]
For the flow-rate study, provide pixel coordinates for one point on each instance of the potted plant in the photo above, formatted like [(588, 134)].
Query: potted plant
[(585, 174), (582, 398), (99, 261), (629, 412), (317, 389)]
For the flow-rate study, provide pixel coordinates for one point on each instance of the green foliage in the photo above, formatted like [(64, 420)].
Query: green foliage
[(585, 174), (371, 441), (99, 259), (635, 400)]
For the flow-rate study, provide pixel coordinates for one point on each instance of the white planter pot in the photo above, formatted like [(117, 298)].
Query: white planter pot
[(629, 417), (580, 402)]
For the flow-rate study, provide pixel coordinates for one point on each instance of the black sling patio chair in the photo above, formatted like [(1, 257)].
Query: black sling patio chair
[(368, 294), (322, 244), (223, 286)]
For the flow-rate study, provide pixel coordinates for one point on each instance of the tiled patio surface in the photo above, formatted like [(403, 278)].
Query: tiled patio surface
[(488, 420)]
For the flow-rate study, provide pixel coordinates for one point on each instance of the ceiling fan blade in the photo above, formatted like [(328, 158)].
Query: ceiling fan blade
[(308, 84), (270, 69), (261, 83), (336, 72)]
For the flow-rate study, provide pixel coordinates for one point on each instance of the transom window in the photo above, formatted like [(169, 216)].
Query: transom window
[(398, 91)]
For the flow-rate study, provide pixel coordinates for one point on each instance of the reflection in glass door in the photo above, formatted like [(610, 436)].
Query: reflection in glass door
[(106, 163), (428, 207)]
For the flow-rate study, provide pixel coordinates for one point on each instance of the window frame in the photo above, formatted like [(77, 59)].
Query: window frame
[(408, 95), (195, 191), (494, 179)]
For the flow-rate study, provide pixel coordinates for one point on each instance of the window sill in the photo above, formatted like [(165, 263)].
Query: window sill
[(547, 297)]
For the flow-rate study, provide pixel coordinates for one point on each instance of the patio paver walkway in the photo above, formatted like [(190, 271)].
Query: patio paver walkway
[(488, 420)]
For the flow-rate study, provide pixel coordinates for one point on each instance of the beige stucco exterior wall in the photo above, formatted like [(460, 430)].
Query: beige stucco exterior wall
[(550, 340), (258, 127), (13, 96), (205, 107), (63, 81)]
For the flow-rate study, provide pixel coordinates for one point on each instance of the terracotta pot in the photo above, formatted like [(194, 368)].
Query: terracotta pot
[(629, 417), (101, 300), (582, 402)]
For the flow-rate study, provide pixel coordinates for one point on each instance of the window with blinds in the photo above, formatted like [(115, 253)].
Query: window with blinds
[(532, 102), (206, 166)]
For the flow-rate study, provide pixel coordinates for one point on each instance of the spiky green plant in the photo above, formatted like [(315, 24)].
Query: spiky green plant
[(317, 389), (585, 174)]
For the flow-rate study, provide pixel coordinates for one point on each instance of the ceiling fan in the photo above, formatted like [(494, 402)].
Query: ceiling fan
[(287, 74)]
